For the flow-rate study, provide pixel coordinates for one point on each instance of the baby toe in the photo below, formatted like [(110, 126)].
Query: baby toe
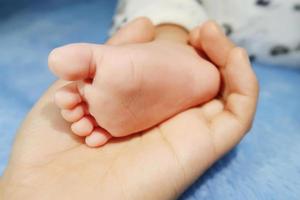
[(97, 138), (83, 127), (75, 114), (67, 97)]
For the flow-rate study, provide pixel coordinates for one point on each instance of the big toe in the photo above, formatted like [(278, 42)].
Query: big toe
[(74, 61)]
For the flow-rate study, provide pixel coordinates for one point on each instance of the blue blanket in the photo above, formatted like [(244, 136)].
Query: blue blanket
[(265, 165)]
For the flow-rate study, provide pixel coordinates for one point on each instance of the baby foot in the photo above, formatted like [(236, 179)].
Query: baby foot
[(74, 110), (133, 86)]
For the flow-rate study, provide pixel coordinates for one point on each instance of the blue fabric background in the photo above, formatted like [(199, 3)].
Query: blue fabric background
[(265, 165)]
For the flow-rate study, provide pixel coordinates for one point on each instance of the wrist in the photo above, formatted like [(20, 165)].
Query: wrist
[(171, 32)]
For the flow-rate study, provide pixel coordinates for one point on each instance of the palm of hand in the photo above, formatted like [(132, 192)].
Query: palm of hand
[(157, 164), (163, 154)]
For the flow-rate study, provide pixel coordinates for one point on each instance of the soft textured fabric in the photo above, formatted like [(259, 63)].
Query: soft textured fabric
[(268, 29), (264, 166)]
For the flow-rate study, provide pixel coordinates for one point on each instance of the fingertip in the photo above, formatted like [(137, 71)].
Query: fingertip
[(138, 30), (215, 43), (144, 22), (149, 29), (210, 28), (195, 37), (239, 65), (245, 54)]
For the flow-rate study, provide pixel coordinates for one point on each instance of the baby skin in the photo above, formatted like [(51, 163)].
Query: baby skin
[(118, 90)]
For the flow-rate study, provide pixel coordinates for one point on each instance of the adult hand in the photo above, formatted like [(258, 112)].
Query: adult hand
[(47, 162)]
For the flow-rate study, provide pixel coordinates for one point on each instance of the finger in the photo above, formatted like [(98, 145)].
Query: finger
[(211, 109), (67, 97), (211, 39), (240, 103), (242, 84), (75, 61), (195, 38), (136, 31)]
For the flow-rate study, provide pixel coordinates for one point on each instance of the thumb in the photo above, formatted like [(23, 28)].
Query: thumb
[(212, 41), (137, 31)]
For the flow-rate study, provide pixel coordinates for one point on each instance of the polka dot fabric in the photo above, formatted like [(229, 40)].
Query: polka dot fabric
[(268, 29)]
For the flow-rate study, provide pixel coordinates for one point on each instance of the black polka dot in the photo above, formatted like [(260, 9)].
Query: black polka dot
[(279, 50), (263, 2), (297, 7), (227, 28), (252, 58)]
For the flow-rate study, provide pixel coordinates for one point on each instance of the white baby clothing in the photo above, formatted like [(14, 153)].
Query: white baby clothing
[(268, 29)]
